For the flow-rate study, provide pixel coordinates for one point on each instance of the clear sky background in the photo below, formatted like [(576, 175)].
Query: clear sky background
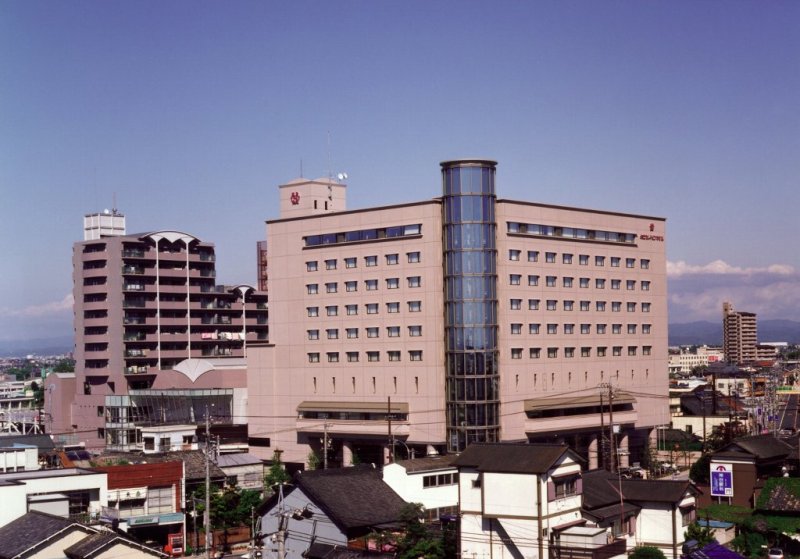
[(192, 113)]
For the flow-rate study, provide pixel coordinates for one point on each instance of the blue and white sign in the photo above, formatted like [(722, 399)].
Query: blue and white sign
[(721, 480)]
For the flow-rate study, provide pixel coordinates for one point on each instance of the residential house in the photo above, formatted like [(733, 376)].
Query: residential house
[(339, 507), (242, 470), (431, 481), (515, 498)]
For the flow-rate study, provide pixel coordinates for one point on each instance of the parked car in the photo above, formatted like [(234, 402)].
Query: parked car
[(631, 473), (775, 553)]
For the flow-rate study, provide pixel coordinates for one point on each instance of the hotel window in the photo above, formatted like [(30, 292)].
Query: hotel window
[(392, 307), (313, 334), (586, 352), (312, 311), (372, 331), (550, 281), (645, 285), (600, 283), (615, 283), (586, 328), (331, 287), (373, 356), (583, 259), (514, 279), (645, 328), (569, 352), (631, 351), (601, 351), (332, 310), (630, 285), (372, 308), (312, 288), (630, 262), (616, 306), (516, 353), (600, 306), (533, 256), (513, 255), (533, 304), (616, 328), (568, 305), (516, 328), (644, 264), (601, 328), (313, 357), (352, 357), (599, 260), (414, 281), (645, 307), (615, 261), (350, 262), (552, 328), (616, 351), (372, 284), (415, 355), (332, 333), (533, 328), (533, 281), (370, 261), (631, 328), (392, 259), (631, 307), (567, 281), (393, 355), (415, 331), (516, 304), (552, 305), (552, 352), (647, 350), (352, 310), (351, 286), (311, 266), (330, 264), (535, 353), (585, 305), (569, 328), (566, 258), (413, 257), (550, 257), (393, 331), (392, 283), (352, 333), (414, 306), (584, 283)]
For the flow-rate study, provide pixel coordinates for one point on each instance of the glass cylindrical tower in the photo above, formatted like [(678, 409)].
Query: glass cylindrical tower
[(470, 302)]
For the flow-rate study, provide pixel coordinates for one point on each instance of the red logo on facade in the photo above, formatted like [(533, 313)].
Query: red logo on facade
[(295, 198), (652, 227)]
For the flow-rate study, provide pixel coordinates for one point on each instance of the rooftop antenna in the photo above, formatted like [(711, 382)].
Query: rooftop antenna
[(330, 168), (301, 167), (114, 204)]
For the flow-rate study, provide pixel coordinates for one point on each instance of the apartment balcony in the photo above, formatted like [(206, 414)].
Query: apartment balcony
[(95, 306), (95, 322), (139, 370), (135, 353), (97, 371), (257, 320), (174, 353), (172, 272), (133, 270), (139, 304), (172, 321), (202, 257), (172, 305), (95, 338), (133, 253), (94, 273), (134, 287), (180, 289), (216, 337), (102, 354), (134, 320), (93, 289), (613, 549), (219, 352)]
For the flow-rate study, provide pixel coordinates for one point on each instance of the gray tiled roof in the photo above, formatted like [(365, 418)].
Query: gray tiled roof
[(356, 498), (601, 489), (513, 458), (429, 463), (27, 532), (96, 544), (327, 551), (238, 459)]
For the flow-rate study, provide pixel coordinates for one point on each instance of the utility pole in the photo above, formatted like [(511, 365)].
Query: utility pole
[(207, 515), (325, 445), (389, 423), (602, 442), (614, 465)]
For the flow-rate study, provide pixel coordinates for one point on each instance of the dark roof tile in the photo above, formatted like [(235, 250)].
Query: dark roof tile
[(31, 529), (513, 458)]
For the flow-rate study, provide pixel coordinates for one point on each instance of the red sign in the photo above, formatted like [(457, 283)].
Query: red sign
[(295, 198)]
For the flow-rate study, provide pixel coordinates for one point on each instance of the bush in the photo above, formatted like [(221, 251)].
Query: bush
[(646, 552)]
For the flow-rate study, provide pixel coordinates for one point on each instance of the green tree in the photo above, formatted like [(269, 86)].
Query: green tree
[(701, 534), (314, 461), (417, 541), (699, 472), (646, 552), (276, 474), (65, 366)]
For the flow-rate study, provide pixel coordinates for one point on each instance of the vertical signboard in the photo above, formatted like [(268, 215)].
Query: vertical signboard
[(721, 480)]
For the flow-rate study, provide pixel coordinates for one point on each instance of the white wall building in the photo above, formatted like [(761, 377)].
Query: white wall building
[(431, 481)]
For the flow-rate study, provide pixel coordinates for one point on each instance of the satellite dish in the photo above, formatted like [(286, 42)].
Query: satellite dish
[(341, 176)]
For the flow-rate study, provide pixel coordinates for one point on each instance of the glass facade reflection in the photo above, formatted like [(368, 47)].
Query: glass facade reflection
[(470, 259)]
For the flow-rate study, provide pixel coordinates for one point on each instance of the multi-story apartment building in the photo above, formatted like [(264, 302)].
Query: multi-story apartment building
[(460, 319), (147, 308), (739, 333), (687, 359)]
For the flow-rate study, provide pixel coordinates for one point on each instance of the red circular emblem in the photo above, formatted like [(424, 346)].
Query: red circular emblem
[(295, 198)]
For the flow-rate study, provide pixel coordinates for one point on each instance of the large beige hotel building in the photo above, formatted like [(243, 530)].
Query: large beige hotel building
[(423, 327)]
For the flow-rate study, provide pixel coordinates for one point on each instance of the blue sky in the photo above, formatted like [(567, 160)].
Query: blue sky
[(192, 112)]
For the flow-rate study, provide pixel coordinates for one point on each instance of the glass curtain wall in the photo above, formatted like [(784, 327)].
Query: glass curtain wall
[(470, 261)]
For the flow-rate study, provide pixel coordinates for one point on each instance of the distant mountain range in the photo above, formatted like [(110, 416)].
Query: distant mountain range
[(710, 333), (42, 346)]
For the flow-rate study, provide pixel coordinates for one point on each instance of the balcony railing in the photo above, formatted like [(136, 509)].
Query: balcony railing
[(133, 270), (133, 253), (133, 287)]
